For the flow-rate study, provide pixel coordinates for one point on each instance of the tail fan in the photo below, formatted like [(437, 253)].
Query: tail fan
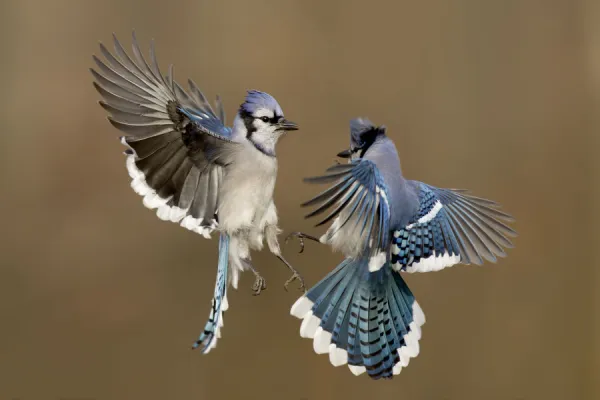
[(368, 320), (212, 329)]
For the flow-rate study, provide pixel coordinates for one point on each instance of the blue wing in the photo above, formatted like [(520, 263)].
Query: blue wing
[(450, 227), (175, 140), (357, 200), (200, 113)]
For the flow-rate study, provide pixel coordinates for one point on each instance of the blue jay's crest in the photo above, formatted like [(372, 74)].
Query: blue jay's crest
[(363, 131), (255, 100)]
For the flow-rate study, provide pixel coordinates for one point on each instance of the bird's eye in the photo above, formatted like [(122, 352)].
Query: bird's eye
[(264, 119)]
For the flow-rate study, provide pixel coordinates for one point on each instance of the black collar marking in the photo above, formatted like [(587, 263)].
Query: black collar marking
[(248, 118), (368, 138)]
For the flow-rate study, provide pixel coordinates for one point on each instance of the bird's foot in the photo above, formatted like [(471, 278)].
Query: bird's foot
[(295, 276), (259, 285), (301, 236)]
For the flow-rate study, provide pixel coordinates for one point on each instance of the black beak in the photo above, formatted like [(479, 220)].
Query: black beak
[(286, 125), (345, 154)]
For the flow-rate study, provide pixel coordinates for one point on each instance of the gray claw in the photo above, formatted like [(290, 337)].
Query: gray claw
[(259, 285), (295, 276)]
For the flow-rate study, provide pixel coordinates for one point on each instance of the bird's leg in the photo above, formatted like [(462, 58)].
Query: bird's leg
[(295, 274), (301, 236), (271, 232), (260, 283)]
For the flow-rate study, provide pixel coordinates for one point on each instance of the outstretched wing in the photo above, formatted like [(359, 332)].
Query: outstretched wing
[(176, 142), (451, 227), (359, 203)]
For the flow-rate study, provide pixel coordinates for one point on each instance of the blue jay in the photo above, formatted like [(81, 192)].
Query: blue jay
[(362, 313), (193, 169)]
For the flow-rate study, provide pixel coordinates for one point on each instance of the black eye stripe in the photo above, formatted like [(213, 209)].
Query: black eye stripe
[(272, 120)]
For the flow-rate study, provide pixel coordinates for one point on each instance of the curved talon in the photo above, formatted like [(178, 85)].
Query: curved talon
[(301, 245), (293, 278), (301, 236), (259, 285)]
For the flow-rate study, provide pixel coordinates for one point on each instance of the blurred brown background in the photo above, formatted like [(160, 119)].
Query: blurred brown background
[(101, 300)]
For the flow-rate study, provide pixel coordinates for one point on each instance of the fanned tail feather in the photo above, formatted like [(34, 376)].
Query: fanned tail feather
[(212, 329), (368, 320)]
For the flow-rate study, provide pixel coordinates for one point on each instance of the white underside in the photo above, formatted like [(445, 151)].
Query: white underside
[(165, 212), (434, 262), (310, 328), (238, 251)]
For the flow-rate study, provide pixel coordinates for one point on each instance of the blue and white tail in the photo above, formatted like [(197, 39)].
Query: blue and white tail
[(368, 320), (212, 329)]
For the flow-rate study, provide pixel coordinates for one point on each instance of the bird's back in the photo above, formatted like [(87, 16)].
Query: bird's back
[(402, 193)]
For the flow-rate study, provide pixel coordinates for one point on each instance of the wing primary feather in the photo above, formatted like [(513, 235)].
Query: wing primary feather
[(492, 212), (141, 61), (363, 211), (445, 224), (475, 199), (487, 232), (325, 178), (126, 94), (493, 227), (114, 76), (133, 118), (330, 192), (342, 187), (380, 235), (450, 197), (142, 130), (340, 207), (200, 99), (154, 65), (130, 64), (340, 167), (478, 242), (465, 240), (356, 202), (498, 225), (220, 109), (118, 67), (189, 188), (370, 215), (181, 95), (121, 102), (170, 77)]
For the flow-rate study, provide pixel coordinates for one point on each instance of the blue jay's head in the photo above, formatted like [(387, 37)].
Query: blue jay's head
[(363, 133), (263, 121)]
